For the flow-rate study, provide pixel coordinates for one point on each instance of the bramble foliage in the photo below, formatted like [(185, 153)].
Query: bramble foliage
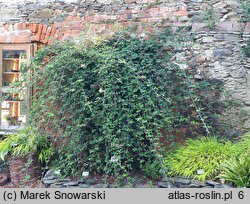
[(153, 170), (105, 102)]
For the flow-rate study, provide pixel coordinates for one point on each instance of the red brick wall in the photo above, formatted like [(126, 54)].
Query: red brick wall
[(28, 33), (98, 22)]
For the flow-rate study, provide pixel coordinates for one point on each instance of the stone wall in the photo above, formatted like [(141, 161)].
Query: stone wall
[(70, 19), (215, 49), (218, 54)]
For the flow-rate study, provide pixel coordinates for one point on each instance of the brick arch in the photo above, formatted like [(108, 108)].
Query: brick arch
[(29, 33)]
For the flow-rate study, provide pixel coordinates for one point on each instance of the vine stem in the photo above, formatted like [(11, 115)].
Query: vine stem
[(193, 101)]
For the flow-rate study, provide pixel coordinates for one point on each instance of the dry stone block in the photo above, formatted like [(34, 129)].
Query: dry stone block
[(104, 1), (222, 52), (238, 72), (247, 29), (230, 26), (208, 39)]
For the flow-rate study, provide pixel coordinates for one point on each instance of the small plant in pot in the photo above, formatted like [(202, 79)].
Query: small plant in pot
[(25, 151)]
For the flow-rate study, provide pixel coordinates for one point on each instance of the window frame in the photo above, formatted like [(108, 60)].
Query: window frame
[(29, 48)]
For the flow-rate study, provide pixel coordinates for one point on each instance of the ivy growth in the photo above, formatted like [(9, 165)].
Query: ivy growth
[(210, 18), (105, 103), (246, 12)]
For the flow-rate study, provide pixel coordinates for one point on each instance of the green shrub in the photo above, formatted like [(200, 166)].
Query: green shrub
[(26, 142), (206, 153), (107, 101), (153, 170), (237, 170)]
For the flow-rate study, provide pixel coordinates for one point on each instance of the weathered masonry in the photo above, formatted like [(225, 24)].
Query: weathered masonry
[(216, 50)]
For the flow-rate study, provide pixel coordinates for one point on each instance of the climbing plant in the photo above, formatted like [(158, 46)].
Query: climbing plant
[(106, 102), (210, 18), (246, 11)]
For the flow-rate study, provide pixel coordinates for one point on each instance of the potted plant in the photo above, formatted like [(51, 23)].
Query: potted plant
[(25, 151)]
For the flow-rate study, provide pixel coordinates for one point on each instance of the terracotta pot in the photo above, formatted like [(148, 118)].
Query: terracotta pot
[(21, 173)]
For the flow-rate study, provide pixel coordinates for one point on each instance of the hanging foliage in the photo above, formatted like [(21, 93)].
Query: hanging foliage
[(106, 102)]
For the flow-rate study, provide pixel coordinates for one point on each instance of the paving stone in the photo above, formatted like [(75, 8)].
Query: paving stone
[(199, 183), (225, 186), (194, 186), (212, 183), (145, 186), (56, 186), (45, 181), (100, 185), (181, 181), (84, 186), (50, 175), (165, 184), (72, 183)]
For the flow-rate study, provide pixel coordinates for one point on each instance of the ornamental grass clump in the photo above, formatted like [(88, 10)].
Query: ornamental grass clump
[(244, 144), (199, 159), (26, 142), (237, 169)]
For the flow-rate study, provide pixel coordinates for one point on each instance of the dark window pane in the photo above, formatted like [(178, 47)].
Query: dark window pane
[(14, 53)]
